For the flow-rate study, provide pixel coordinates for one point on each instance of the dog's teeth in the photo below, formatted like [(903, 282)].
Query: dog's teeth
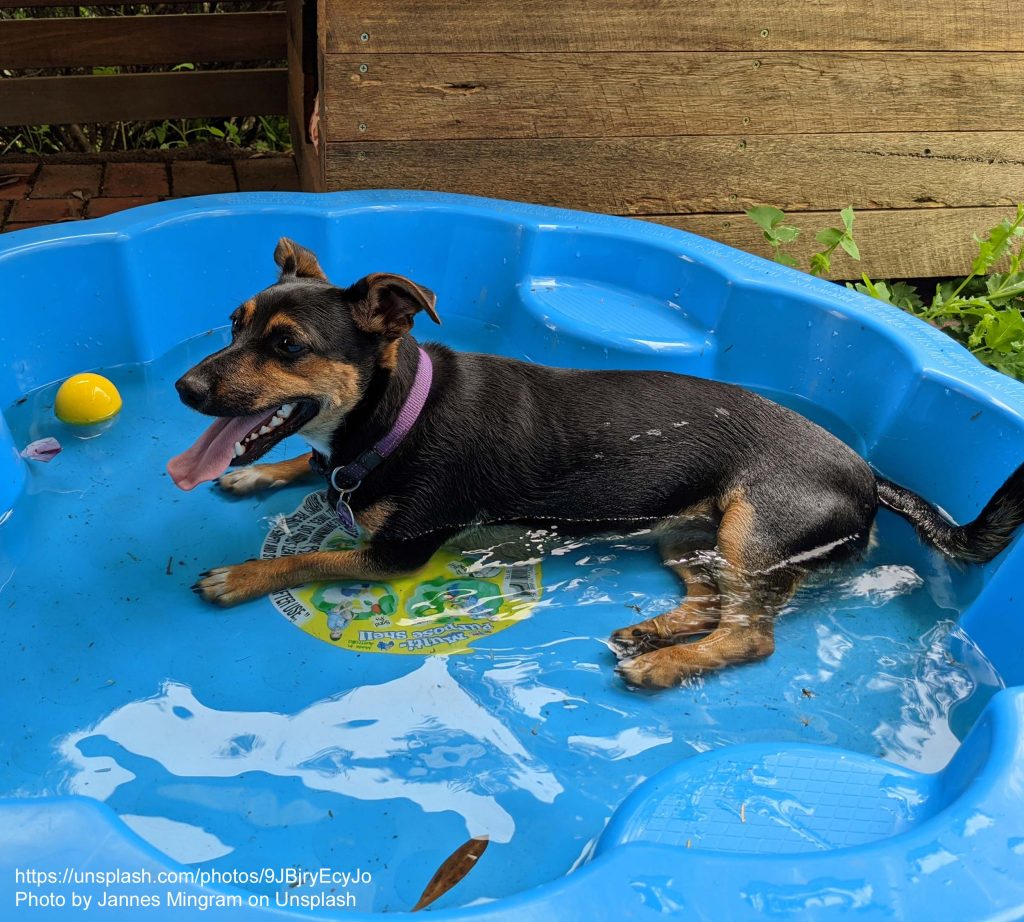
[(264, 430), (286, 410), (275, 421), (239, 451)]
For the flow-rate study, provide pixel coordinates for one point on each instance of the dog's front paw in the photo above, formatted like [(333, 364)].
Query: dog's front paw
[(232, 585), (662, 668), (248, 480)]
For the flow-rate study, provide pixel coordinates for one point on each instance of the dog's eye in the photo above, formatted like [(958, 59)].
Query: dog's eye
[(288, 346)]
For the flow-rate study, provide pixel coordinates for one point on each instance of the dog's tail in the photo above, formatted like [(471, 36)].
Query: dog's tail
[(976, 542)]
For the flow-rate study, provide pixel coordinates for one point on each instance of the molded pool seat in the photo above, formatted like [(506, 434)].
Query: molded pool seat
[(760, 799)]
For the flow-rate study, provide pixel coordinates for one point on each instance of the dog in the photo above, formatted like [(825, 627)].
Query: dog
[(420, 443)]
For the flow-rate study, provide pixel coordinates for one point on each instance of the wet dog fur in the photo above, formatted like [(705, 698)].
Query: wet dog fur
[(743, 496)]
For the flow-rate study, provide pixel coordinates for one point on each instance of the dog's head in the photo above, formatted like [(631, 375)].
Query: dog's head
[(302, 353)]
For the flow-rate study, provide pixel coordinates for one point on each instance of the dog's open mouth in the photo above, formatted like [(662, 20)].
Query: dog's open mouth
[(286, 420), (232, 441)]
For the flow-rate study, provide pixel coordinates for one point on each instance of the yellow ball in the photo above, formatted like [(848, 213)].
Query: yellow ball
[(86, 399)]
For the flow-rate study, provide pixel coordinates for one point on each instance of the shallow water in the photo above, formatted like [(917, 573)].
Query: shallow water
[(231, 739)]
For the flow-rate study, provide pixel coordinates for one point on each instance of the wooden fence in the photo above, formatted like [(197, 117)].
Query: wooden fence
[(688, 111), (80, 42)]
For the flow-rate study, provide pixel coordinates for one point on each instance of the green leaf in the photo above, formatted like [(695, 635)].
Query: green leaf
[(847, 215), (820, 264), (786, 233), (1003, 332), (847, 243), (785, 259), (882, 292), (906, 297), (765, 217), (829, 237)]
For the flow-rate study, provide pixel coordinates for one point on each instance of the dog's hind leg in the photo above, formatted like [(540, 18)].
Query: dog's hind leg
[(257, 477), (749, 601), (698, 613)]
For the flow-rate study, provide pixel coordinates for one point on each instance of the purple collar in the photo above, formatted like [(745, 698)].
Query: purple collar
[(347, 478)]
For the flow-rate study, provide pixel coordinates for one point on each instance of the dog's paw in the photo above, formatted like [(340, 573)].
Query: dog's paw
[(248, 480), (657, 669), (636, 639), (232, 585)]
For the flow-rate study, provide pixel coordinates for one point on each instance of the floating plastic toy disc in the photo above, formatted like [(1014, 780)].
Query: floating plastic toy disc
[(453, 601)]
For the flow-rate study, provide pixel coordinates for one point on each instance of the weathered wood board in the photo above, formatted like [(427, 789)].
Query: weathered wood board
[(688, 112), (434, 96), (637, 176), (440, 26)]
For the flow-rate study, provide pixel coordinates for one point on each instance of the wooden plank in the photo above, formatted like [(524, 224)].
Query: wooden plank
[(308, 159), (431, 26), (33, 4), (636, 176), (913, 243), (138, 97), (426, 96), (75, 42)]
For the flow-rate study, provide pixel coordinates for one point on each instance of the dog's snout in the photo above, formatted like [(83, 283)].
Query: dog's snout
[(193, 390)]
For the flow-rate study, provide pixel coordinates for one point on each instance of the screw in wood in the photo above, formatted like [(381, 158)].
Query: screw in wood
[(365, 37), (363, 68), (764, 33), (362, 126), (757, 64)]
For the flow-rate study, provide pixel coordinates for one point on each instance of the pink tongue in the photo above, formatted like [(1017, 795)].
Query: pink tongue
[(212, 453)]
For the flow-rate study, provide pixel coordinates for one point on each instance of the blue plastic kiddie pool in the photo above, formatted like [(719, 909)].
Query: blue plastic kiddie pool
[(322, 752)]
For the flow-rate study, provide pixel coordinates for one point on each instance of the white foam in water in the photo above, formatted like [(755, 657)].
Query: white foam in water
[(880, 584)]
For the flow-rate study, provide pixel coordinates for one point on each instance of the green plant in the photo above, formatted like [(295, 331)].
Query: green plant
[(779, 234), (982, 310)]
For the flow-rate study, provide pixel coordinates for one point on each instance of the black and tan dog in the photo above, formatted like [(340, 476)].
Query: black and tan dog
[(705, 466)]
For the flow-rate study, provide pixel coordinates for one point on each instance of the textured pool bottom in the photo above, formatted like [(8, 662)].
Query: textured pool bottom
[(231, 739)]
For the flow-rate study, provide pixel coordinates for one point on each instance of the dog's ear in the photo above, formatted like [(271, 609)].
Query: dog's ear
[(391, 303), (296, 260)]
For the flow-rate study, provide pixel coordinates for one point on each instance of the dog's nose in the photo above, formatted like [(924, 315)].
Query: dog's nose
[(192, 389)]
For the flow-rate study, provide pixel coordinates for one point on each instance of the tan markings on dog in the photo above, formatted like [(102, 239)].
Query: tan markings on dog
[(249, 580), (258, 477), (376, 315), (240, 379), (303, 261), (248, 308), (725, 646), (334, 384), (698, 613), (735, 530), (281, 322), (389, 355), (748, 605), (373, 517)]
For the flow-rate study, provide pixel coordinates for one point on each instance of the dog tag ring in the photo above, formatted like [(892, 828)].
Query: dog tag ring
[(346, 517)]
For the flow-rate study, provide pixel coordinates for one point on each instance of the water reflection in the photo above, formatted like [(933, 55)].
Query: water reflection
[(411, 738)]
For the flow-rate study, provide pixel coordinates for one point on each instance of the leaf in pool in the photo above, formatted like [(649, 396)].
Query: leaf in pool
[(456, 866), (44, 450)]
